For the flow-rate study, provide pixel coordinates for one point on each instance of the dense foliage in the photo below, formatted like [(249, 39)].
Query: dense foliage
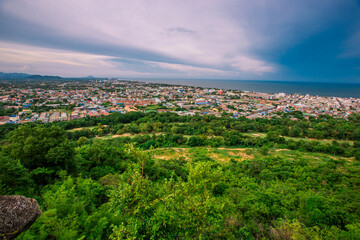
[(91, 188)]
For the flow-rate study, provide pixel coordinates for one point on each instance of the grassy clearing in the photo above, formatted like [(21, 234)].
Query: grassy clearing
[(202, 153), (241, 154)]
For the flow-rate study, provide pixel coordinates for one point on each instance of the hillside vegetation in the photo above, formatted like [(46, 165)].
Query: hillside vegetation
[(171, 177)]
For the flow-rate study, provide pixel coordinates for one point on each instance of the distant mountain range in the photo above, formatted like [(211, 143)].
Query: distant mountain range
[(13, 75), (25, 76), (29, 76)]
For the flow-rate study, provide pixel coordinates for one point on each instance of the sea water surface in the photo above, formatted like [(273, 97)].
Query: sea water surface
[(345, 90)]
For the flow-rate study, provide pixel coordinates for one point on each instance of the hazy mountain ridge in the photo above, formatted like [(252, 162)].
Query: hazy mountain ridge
[(13, 75), (19, 76), (24, 76)]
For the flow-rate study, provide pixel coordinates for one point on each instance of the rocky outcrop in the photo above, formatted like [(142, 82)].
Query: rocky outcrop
[(17, 214)]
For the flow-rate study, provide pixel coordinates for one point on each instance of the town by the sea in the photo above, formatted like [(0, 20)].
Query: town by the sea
[(60, 99), (345, 90)]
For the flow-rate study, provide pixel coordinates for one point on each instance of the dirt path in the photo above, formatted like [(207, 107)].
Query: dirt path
[(76, 129), (280, 150), (122, 135), (232, 149)]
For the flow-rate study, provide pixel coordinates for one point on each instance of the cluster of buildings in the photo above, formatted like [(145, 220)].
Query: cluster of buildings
[(51, 101)]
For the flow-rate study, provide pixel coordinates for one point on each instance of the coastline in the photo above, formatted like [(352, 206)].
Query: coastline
[(342, 90)]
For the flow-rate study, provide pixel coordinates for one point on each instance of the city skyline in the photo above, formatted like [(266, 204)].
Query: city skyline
[(281, 40)]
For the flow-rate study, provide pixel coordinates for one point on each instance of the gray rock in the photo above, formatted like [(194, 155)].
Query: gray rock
[(17, 214)]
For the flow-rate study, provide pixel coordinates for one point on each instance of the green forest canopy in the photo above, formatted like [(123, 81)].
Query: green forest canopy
[(91, 188)]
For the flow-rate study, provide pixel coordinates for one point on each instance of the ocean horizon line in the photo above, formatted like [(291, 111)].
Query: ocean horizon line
[(329, 89)]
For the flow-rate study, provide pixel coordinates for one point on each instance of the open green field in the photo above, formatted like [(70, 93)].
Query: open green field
[(217, 154), (239, 154)]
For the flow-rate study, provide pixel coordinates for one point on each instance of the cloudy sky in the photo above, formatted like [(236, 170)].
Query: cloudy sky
[(310, 40)]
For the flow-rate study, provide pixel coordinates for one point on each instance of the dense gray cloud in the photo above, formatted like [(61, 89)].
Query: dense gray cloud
[(219, 39)]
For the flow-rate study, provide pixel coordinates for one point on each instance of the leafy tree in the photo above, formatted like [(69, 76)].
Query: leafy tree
[(72, 211), (41, 147), (195, 141), (14, 176), (82, 141)]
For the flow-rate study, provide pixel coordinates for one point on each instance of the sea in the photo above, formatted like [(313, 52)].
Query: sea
[(343, 90)]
